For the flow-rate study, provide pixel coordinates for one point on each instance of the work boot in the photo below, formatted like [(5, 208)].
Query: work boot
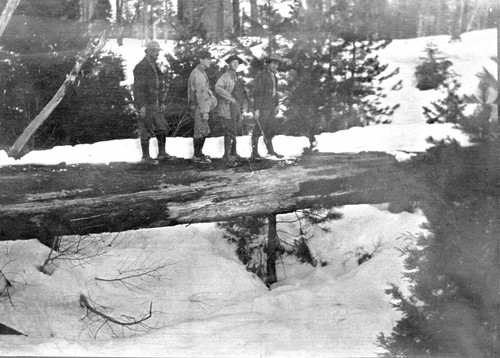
[(255, 148), (198, 157), (201, 160), (162, 155), (270, 149), (146, 158), (202, 143), (233, 151), (227, 159)]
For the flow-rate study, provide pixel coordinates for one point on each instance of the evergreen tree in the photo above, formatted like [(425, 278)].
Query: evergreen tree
[(97, 108), (334, 70), (41, 49), (449, 109), (453, 302), (483, 125), (434, 69)]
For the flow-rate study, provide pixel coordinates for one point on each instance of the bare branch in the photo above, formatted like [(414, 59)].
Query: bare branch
[(138, 271), (78, 249), (6, 284), (104, 319)]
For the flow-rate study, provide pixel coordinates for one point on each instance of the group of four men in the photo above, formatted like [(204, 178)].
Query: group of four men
[(148, 89)]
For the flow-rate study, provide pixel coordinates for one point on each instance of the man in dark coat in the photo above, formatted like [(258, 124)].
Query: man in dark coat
[(148, 96), (266, 103)]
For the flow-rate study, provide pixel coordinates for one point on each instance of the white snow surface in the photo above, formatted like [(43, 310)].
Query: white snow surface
[(204, 302)]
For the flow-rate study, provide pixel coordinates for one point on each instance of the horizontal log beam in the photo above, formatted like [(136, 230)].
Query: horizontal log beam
[(41, 202)]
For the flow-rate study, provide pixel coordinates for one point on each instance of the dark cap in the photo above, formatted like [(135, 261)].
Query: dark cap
[(234, 57), (273, 58), (153, 45), (204, 54)]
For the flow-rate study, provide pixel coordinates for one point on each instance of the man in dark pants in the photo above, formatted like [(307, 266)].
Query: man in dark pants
[(233, 98), (148, 90), (201, 102), (265, 107)]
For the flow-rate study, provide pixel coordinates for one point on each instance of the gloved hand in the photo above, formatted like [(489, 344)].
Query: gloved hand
[(205, 116), (142, 112)]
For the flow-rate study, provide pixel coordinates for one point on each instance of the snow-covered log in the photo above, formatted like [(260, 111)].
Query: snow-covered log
[(40, 202)]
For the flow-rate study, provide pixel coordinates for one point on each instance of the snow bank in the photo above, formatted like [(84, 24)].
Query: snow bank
[(204, 302)]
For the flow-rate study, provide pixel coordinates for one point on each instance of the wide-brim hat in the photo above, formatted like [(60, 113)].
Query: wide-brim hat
[(234, 57), (274, 58), (153, 45), (204, 54)]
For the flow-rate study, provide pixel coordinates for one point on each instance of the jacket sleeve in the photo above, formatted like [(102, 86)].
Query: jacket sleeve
[(140, 87), (221, 87), (277, 97), (204, 97)]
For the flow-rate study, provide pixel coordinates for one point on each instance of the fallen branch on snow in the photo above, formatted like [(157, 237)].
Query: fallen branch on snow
[(107, 320)]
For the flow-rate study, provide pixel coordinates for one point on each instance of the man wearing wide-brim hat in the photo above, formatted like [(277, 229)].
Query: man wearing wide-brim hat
[(148, 97), (233, 99), (266, 103)]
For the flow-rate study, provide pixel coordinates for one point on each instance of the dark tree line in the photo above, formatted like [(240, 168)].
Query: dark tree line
[(39, 48)]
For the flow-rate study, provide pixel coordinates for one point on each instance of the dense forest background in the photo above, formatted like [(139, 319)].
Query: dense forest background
[(328, 44)]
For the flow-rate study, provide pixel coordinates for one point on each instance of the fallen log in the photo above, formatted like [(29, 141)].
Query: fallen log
[(41, 202)]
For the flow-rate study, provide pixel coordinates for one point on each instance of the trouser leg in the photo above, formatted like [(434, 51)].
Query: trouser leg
[(145, 148), (197, 147), (255, 145), (227, 146), (161, 138), (202, 143)]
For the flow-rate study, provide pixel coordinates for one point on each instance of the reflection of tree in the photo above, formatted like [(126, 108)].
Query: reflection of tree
[(260, 247)]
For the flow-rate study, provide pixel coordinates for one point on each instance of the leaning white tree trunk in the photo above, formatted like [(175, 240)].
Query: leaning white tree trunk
[(7, 14), (19, 144)]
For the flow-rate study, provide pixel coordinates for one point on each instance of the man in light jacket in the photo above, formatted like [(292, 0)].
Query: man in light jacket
[(201, 102), (230, 107)]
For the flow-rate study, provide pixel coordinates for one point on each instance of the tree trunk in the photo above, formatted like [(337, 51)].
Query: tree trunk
[(254, 17), (272, 250), (16, 149), (441, 18), (181, 15), (236, 18), (457, 21), (167, 21), (87, 8), (220, 20), (119, 11), (189, 12), (498, 70), (270, 30), (7, 12), (42, 202)]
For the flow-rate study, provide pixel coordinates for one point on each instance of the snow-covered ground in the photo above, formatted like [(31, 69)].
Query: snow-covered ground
[(204, 302)]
